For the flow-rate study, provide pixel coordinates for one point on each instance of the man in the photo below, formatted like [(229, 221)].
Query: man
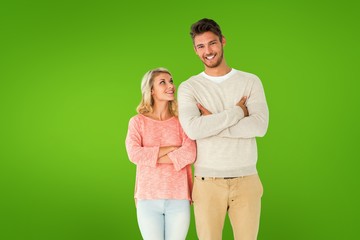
[(223, 109)]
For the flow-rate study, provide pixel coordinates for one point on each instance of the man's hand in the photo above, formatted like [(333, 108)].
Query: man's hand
[(241, 104), (203, 110)]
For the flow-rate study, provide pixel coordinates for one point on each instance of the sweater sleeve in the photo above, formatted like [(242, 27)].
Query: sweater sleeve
[(256, 124), (138, 154), (197, 126), (184, 155)]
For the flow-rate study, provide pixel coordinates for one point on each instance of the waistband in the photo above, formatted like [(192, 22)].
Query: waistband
[(212, 178)]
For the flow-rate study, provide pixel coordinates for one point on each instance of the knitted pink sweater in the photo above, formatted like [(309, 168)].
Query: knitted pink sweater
[(160, 181)]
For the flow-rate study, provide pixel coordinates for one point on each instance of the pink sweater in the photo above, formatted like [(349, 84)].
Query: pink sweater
[(160, 181)]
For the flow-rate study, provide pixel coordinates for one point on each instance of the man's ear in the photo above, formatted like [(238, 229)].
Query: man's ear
[(223, 41)]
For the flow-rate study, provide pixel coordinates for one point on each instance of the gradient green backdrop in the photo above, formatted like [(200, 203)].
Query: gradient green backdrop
[(70, 81)]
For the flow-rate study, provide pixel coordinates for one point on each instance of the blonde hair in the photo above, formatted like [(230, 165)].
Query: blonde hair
[(147, 102)]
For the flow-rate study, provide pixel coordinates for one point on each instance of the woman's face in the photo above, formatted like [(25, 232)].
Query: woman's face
[(163, 88)]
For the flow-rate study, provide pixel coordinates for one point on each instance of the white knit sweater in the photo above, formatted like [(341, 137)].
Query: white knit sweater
[(226, 144)]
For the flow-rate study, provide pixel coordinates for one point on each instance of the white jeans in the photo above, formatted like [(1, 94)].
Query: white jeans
[(164, 219)]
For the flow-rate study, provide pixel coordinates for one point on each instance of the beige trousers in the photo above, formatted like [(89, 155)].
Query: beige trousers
[(239, 197)]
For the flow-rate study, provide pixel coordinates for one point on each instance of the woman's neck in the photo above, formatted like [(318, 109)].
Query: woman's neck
[(160, 113)]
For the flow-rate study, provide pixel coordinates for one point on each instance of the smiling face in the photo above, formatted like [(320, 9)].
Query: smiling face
[(163, 88), (209, 48)]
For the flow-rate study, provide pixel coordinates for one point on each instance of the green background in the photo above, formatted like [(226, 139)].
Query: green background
[(70, 81)]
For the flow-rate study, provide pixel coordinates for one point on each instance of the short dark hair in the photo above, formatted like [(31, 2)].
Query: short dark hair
[(205, 25)]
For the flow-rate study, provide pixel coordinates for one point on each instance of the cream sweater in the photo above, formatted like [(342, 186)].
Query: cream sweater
[(226, 144)]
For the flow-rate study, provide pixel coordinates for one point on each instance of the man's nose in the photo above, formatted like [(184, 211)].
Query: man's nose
[(207, 50)]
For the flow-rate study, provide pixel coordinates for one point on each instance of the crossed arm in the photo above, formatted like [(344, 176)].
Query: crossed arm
[(163, 154), (247, 119), (241, 103), (179, 156)]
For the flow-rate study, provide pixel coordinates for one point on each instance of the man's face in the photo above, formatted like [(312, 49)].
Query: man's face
[(209, 49)]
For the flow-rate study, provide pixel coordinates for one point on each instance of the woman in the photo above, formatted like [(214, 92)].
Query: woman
[(162, 152)]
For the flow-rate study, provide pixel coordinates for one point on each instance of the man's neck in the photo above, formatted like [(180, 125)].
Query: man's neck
[(218, 71)]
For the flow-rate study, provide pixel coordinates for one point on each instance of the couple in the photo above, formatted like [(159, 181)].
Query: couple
[(223, 109)]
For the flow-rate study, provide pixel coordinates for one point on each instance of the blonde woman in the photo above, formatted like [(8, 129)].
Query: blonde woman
[(163, 153)]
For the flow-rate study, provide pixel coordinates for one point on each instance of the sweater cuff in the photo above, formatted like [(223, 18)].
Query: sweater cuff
[(173, 158), (239, 112), (155, 153)]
